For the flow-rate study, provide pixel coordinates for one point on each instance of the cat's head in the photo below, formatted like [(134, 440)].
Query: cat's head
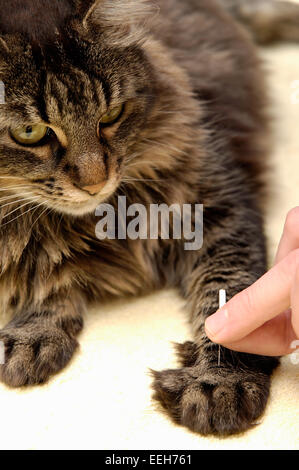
[(86, 90)]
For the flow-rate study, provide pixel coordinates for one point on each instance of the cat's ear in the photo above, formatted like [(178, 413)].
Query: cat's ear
[(122, 22)]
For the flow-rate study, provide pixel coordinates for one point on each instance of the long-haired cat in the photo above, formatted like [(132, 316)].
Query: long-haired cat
[(159, 101)]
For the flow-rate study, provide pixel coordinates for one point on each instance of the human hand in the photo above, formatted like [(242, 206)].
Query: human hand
[(264, 318)]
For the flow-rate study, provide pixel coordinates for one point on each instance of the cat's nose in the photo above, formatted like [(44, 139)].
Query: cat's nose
[(94, 188)]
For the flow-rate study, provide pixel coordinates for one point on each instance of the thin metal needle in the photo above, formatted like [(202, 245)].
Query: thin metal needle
[(222, 302)]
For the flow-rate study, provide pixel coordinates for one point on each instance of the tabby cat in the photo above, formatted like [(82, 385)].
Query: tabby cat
[(162, 101)]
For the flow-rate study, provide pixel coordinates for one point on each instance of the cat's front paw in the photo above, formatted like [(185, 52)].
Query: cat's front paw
[(212, 401), (33, 353)]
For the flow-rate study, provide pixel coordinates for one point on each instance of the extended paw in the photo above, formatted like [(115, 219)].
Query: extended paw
[(212, 401), (33, 353)]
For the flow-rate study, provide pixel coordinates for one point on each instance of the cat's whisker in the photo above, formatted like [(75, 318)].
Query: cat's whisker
[(123, 188), (7, 198), (21, 215), (13, 188), (19, 200), (12, 177), (59, 223), (43, 212), (39, 205), (133, 156), (20, 207)]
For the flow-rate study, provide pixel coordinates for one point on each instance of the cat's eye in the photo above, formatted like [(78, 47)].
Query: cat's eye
[(112, 116), (29, 135)]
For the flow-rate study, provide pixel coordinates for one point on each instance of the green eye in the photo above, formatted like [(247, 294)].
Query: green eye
[(29, 135), (112, 116)]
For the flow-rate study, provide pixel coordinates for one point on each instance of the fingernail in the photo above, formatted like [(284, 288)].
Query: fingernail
[(215, 323)]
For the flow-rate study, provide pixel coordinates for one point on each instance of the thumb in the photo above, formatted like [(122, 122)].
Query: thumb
[(259, 303)]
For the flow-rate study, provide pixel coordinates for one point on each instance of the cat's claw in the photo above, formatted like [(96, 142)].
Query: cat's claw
[(212, 401), (33, 354)]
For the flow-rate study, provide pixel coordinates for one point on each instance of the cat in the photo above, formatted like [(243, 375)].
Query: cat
[(161, 102)]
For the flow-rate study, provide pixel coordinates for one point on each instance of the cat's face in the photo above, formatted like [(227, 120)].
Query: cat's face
[(97, 104), (70, 120)]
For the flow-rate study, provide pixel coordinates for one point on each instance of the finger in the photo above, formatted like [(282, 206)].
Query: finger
[(251, 308), (295, 303), (290, 237), (274, 338)]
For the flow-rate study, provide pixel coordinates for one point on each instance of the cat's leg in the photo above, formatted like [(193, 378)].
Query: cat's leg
[(218, 391), (269, 20), (41, 341)]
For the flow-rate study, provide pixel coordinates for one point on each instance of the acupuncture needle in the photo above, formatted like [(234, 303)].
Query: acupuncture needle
[(222, 302)]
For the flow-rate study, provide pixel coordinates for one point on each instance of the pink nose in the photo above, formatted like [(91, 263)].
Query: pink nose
[(95, 188)]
